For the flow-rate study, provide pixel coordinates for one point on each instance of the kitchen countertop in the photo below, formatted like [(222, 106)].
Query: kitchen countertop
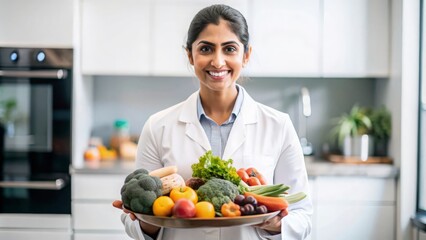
[(104, 167), (315, 168), (322, 167)]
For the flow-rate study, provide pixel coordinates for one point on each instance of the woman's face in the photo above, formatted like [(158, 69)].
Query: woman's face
[(218, 57)]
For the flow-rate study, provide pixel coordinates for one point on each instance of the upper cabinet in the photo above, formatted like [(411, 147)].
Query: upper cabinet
[(305, 38), (285, 37), (355, 38), (133, 37), (115, 37), (44, 23)]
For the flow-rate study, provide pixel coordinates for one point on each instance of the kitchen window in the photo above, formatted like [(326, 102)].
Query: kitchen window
[(420, 220)]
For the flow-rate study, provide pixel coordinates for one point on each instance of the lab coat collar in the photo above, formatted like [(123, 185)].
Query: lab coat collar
[(195, 131)]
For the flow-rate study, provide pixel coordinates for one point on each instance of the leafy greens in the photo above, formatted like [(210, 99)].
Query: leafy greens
[(210, 166)]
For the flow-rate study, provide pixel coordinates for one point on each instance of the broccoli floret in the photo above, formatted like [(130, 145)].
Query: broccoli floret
[(140, 191), (136, 172), (218, 192)]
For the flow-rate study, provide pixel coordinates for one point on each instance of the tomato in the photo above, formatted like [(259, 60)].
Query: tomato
[(253, 181), (252, 172), (243, 174), (163, 206), (204, 209), (184, 192)]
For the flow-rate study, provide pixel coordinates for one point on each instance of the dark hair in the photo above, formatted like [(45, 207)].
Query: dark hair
[(212, 15)]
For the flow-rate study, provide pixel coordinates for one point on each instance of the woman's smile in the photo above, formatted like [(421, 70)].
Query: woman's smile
[(218, 74)]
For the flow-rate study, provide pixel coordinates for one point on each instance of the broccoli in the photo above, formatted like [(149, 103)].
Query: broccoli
[(217, 191), (140, 191)]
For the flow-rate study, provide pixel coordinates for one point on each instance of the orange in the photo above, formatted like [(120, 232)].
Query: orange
[(204, 209), (92, 154), (163, 206)]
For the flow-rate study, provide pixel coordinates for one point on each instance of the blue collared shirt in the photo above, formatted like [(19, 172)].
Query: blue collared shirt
[(218, 134)]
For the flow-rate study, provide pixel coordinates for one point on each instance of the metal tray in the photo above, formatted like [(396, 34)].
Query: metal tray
[(173, 222)]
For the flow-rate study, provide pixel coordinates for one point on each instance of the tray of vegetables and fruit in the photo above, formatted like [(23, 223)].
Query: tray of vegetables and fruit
[(217, 195)]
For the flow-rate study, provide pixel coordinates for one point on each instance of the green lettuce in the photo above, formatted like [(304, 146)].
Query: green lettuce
[(210, 166)]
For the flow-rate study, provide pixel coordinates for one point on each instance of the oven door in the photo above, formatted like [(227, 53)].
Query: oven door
[(35, 149)]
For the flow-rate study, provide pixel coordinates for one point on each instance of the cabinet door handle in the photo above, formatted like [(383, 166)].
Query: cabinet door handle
[(49, 74), (57, 184)]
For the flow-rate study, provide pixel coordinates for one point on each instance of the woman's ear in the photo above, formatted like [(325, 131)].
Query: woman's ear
[(247, 55), (190, 58)]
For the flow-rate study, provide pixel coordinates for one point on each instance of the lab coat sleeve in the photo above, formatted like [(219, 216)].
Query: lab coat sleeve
[(148, 155), (291, 170), (133, 229)]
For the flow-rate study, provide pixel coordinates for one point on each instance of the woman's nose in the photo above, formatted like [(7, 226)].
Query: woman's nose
[(218, 60)]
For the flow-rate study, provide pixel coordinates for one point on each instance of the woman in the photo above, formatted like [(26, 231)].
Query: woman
[(222, 117)]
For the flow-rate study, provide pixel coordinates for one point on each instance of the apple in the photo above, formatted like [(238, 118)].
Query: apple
[(184, 208)]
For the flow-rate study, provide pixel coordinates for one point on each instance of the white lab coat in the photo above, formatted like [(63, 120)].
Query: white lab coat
[(261, 137)]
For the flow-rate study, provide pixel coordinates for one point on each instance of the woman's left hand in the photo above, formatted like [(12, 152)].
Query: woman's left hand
[(273, 225)]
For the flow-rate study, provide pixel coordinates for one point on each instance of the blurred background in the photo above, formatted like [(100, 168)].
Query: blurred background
[(323, 62)]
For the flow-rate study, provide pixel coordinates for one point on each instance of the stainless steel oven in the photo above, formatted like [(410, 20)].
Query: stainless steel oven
[(35, 131)]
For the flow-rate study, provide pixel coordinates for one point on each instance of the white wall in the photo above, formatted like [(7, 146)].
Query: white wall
[(401, 95)]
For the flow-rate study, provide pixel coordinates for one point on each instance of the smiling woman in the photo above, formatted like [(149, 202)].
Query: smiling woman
[(222, 118)]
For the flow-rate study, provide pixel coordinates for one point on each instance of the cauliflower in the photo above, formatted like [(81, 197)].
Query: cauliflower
[(140, 191), (217, 191)]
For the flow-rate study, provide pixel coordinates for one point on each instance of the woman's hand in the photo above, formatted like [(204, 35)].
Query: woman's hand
[(119, 204), (273, 225), (149, 229)]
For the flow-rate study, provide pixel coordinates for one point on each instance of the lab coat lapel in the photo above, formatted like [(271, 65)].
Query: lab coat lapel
[(237, 136), (193, 128)]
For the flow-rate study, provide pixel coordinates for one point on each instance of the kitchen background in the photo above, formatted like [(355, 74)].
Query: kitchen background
[(143, 96), (129, 63)]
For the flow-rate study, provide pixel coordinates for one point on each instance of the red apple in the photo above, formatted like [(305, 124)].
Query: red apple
[(184, 208)]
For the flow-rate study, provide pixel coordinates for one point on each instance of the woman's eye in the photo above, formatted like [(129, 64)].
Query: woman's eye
[(230, 49), (205, 49)]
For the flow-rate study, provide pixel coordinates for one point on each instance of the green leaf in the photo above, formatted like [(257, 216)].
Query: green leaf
[(210, 166)]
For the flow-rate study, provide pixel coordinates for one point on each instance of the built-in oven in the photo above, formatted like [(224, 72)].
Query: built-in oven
[(35, 130)]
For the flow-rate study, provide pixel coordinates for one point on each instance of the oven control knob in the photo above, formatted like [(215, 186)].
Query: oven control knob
[(41, 56), (14, 56)]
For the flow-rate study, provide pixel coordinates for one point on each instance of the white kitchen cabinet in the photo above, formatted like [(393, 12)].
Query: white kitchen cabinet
[(346, 222), (285, 36), (171, 20), (98, 236), (355, 38), (115, 37), (23, 234), (306, 38), (35, 226), (42, 23), (349, 208), (94, 217)]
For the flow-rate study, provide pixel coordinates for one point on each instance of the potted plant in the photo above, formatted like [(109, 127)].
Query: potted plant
[(381, 130), (351, 132)]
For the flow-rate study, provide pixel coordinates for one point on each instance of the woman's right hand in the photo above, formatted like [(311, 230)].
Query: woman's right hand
[(119, 204), (147, 228)]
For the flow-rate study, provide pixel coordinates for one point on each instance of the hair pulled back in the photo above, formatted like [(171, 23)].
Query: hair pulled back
[(212, 15)]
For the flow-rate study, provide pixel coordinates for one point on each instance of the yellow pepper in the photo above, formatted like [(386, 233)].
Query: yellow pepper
[(230, 210)]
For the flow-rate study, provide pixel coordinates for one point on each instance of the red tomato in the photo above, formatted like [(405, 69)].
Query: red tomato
[(243, 174), (252, 172), (253, 181)]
